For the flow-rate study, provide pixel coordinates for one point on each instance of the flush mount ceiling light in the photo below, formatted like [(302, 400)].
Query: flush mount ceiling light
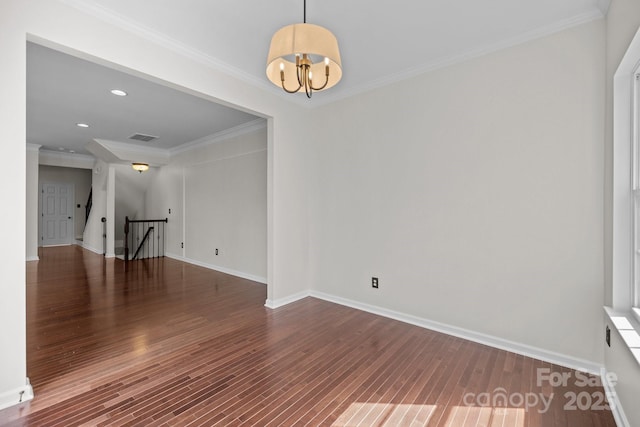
[(300, 51), (119, 92), (82, 125), (140, 167)]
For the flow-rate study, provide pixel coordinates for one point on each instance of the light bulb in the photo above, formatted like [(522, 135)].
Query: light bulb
[(282, 66)]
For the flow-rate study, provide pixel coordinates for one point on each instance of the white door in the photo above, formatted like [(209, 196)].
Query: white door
[(57, 214)]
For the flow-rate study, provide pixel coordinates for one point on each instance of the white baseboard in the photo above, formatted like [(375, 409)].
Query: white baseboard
[(225, 270), (492, 341), (287, 300), (92, 249), (33, 258), (174, 256), (16, 396), (614, 403)]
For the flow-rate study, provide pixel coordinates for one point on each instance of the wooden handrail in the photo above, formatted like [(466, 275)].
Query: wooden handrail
[(87, 207), (131, 221)]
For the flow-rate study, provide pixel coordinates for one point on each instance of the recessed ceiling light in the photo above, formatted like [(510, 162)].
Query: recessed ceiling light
[(72, 151), (61, 148), (82, 125), (119, 92)]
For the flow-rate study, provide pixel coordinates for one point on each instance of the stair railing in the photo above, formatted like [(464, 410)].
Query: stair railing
[(87, 207), (146, 235)]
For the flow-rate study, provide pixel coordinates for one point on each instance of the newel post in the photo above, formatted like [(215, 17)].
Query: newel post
[(126, 238)]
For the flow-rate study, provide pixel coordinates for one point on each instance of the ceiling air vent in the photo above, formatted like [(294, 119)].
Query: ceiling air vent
[(143, 137)]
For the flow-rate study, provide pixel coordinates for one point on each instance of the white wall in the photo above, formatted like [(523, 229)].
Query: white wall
[(623, 21), (474, 193), (224, 205), (81, 179), (164, 199), (92, 237)]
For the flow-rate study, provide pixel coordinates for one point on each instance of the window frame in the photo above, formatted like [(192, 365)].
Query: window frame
[(635, 190), (624, 315)]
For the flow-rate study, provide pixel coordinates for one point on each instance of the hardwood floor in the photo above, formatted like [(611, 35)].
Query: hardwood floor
[(166, 343)]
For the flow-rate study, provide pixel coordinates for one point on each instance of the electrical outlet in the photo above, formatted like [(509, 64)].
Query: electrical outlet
[(182, 245), (607, 336), (216, 251), (374, 282)]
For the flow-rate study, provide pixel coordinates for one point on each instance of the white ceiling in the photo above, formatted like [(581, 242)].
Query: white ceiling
[(63, 90), (380, 42)]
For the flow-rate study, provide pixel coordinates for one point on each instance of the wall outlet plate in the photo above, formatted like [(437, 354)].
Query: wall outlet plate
[(374, 282)]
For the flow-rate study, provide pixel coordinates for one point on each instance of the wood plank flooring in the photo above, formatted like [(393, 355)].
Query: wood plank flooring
[(164, 343)]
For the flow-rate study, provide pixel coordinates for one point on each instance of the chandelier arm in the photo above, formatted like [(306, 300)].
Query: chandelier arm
[(283, 87), (308, 89), (326, 81), (290, 91), (300, 74)]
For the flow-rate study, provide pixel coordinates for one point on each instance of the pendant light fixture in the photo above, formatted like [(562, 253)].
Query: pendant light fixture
[(304, 56)]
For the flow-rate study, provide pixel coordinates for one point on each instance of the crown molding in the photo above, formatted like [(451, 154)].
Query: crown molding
[(63, 159), (600, 10), (469, 55), (224, 135), (114, 152), (109, 16), (122, 152)]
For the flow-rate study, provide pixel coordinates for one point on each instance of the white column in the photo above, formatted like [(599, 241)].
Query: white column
[(33, 195), (111, 212)]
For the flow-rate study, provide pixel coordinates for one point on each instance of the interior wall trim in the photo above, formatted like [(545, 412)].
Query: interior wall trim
[(614, 403), (243, 129), (225, 270), (17, 395), (90, 248), (106, 15), (492, 341), (281, 302)]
